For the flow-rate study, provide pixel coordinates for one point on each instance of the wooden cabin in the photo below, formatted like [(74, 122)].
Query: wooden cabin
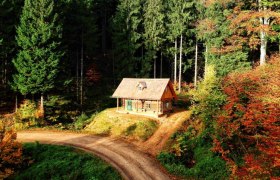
[(145, 96)]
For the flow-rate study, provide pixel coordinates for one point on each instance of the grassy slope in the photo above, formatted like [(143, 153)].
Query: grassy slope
[(59, 162), (108, 122)]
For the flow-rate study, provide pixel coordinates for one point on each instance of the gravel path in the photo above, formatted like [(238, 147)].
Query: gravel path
[(130, 162)]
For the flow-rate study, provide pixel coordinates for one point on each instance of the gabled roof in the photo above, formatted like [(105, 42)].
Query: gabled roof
[(154, 90)]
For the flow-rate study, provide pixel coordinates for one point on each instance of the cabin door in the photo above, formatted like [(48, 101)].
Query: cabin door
[(129, 105)]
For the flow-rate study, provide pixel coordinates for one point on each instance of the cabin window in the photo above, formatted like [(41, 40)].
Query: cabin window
[(141, 85), (167, 105), (148, 106)]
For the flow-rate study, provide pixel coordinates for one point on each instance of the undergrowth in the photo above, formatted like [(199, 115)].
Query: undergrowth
[(59, 162), (191, 155)]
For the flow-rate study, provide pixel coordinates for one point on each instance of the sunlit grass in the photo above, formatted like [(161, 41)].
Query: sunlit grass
[(109, 122)]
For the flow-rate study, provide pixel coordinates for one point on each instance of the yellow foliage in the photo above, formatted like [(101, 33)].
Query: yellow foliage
[(205, 87), (10, 153)]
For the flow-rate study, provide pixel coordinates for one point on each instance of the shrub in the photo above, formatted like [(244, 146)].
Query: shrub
[(10, 153), (58, 109), (27, 115), (208, 99), (82, 121), (192, 155), (248, 131), (60, 162)]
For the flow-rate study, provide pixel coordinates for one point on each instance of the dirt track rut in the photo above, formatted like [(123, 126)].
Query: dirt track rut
[(130, 162)]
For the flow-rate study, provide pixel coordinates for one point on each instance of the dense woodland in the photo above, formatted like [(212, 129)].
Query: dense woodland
[(64, 58)]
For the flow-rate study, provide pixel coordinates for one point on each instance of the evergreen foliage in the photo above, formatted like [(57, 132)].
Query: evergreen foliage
[(127, 37), (58, 162), (38, 37), (243, 111), (213, 28), (154, 32), (9, 17)]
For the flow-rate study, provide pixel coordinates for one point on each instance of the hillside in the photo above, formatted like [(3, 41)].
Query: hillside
[(149, 134)]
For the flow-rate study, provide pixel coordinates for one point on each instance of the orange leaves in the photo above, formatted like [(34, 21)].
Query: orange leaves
[(207, 26), (208, 3), (250, 125), (250, 22), (10, 153)]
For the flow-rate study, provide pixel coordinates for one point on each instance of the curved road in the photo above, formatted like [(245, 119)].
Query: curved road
[(131, 163)]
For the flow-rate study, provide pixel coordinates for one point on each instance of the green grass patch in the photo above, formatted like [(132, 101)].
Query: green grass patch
[(60, 162), (206, 165), (109, 122)]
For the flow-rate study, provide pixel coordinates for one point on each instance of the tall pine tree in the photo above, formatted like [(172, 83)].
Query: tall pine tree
[(9, 18), (180, 17), (127, 37), (154, 27), (213, 29), (38, 37)]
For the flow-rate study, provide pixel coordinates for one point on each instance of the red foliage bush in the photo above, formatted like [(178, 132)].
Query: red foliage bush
[(10, 153), (248, 132)]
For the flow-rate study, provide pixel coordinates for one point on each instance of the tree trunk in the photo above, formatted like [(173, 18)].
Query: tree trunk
[(263, 21), (82, 71), (155, 68), (175, 63), (161, 64), (104, 33), (77, 77), (5, 74), (263, 48), (180, 66), (195, 64), (206, 59), (16, 104), (42, 106)]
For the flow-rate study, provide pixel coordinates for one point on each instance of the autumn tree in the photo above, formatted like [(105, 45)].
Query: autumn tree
[(38, 37), (252, 23), (10, 153), (248, 131)]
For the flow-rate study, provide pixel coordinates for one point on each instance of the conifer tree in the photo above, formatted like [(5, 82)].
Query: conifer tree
[(9, 17), (213, 29), (180, 15), (38, 37), (154, 27), (127, 36)]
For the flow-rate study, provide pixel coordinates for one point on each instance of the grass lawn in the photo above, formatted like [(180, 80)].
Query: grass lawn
[(60, 162)]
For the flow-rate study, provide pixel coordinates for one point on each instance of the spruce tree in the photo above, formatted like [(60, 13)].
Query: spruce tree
[(213, 29), (180, 15), (127, 37), (38, 37), (154, 27), (9, 17)]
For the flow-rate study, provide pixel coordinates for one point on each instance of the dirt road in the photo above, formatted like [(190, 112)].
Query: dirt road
[(131, 163), (168, 127)]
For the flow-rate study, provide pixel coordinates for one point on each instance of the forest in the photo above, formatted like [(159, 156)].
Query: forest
[(61, 60)]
